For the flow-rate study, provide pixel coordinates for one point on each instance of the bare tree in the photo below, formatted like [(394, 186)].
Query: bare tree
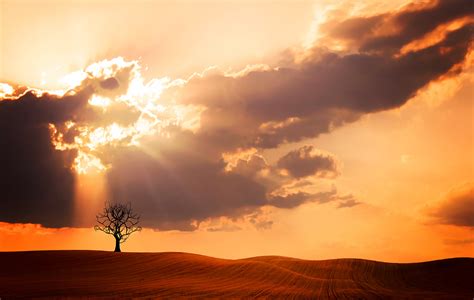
[(118, 220)]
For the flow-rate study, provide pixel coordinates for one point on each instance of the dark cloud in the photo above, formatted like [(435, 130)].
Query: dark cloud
[(306, 161), (36, 182), (31, 108), (177, 178), (265, 108), (415, 22), (296, 199), (457, 208), (391, 31), (176, 187)]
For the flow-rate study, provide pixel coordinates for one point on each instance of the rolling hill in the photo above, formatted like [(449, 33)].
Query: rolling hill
[(97, 274)]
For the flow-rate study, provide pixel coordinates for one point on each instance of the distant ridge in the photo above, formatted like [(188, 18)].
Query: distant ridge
[(101, 274)]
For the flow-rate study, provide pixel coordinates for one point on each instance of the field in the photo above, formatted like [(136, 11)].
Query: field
[(97, 274)]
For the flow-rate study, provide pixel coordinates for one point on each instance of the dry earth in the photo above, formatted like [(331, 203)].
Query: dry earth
[(96, 274)]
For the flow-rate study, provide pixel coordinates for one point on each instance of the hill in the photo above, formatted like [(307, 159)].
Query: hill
[(170, 275)]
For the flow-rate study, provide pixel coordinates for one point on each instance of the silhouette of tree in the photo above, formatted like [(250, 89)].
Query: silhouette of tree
[(118, 220)]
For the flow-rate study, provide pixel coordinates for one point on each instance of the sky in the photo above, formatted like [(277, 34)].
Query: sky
[(311, 129)]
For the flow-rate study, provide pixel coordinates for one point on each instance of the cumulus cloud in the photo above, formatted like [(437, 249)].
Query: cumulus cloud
[(457, 208), (162, 144)]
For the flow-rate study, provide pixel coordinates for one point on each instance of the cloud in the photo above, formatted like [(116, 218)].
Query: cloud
[(36, 182), (307, 161), (225, 227), (263, 225), (179, 188), (296, 199), (457, 208), (264, 107), (348, 201), (37, 178), (389, 32), (176, 188), (109, 83), (166, 156), (324, 89)]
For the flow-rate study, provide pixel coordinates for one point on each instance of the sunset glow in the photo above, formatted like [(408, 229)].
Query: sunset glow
[(313, 129)]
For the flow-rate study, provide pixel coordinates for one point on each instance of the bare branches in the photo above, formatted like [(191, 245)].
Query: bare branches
[(118, 220)]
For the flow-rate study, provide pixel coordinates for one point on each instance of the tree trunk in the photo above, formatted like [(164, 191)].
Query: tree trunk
[(117, 245)]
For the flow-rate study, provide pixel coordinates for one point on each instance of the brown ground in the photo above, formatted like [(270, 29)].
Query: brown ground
[(95, 274)]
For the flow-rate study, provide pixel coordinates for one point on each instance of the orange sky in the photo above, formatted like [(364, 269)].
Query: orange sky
[(401, 163)]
